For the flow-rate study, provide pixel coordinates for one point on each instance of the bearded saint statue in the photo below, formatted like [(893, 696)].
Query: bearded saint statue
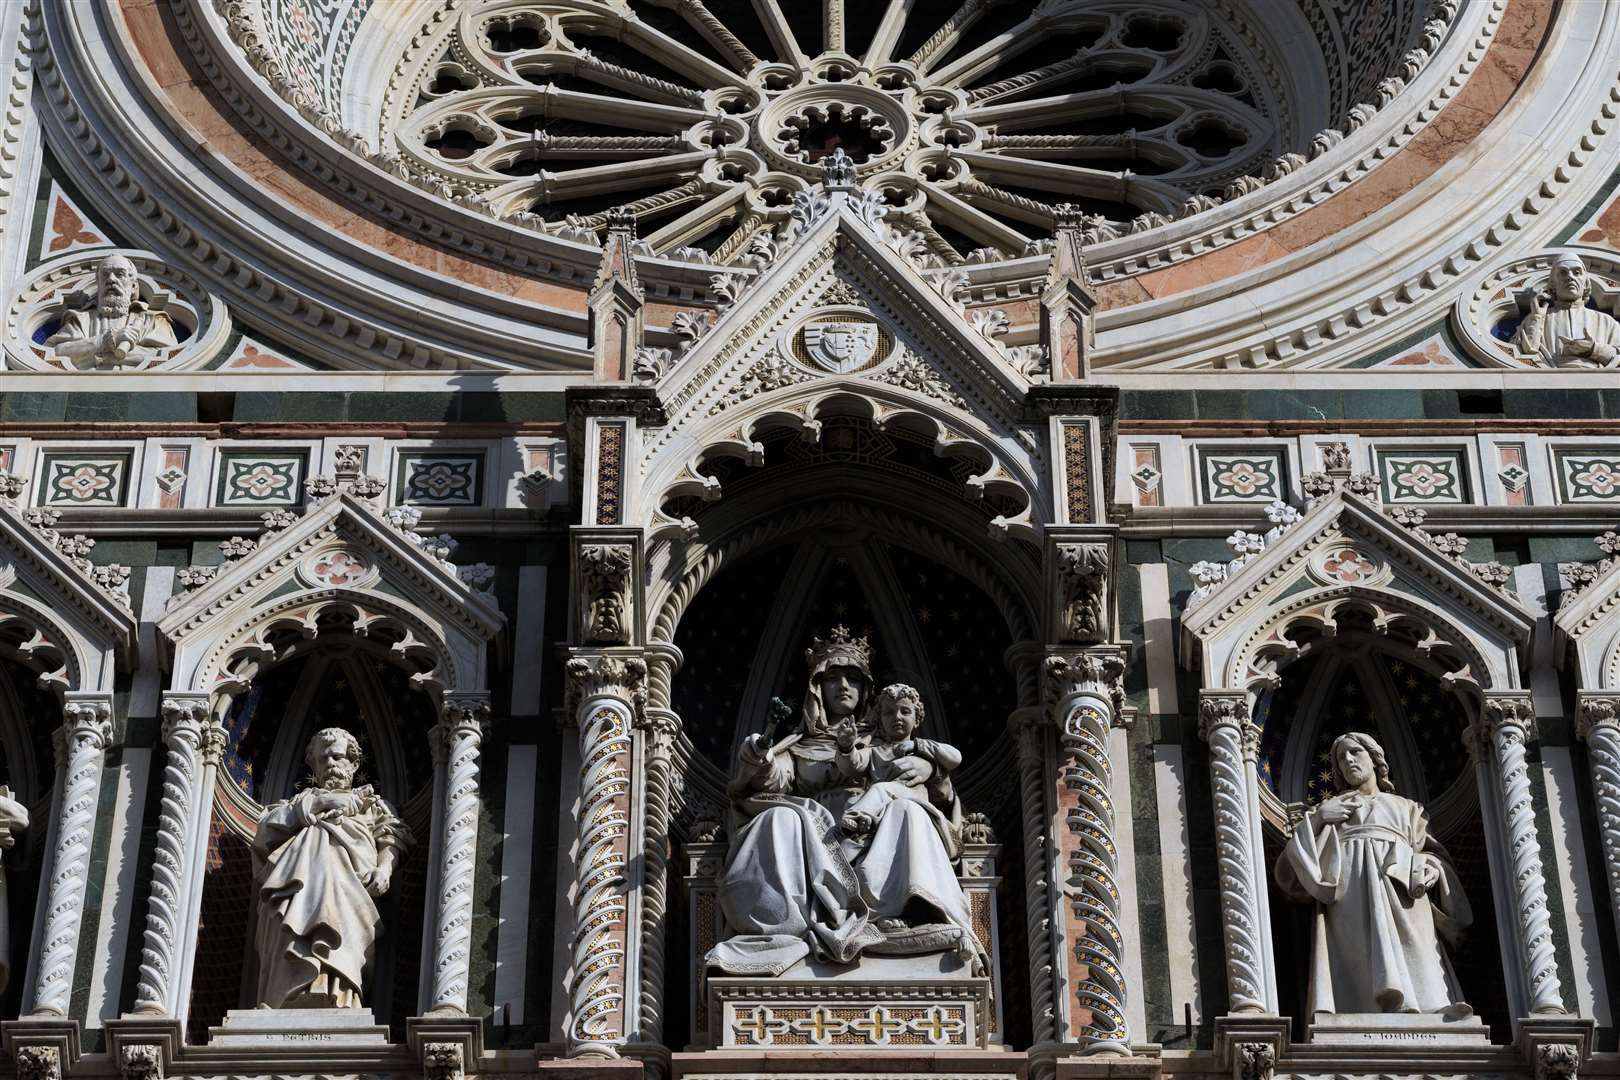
[(326, 853), (115, 327)]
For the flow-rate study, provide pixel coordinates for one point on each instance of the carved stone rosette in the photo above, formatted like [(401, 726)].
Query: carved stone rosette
[(1224, 723), (188, 734), (608, 694), (81, 742), (1599, 725), (1084, 693), (457, 741), (1507, 724)]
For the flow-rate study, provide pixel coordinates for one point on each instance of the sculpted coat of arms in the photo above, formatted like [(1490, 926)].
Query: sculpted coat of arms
[(841, 347)]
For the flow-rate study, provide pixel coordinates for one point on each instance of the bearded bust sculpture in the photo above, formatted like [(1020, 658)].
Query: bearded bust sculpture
[(1560, 330), (1387, 897), (326, 854), (114, 327)]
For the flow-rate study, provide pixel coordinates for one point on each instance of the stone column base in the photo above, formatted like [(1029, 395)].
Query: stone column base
[(43, 1047), (448, 1047), (1556, 1046)]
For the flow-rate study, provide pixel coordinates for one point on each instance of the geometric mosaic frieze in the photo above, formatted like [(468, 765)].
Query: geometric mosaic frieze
[(1256, 477), (80, 479), (439, 479), (260, 477), (1588, 476), (1426, 477)]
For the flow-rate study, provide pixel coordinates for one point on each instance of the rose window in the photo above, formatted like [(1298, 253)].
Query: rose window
[(974, 120)]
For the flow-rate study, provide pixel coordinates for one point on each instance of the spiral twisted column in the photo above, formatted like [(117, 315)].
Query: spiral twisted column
[(81, 742), (608, 695), (1223, 723), (1084, 693), (189, 733), (1506, 726), (1599, 725), (457, 741)]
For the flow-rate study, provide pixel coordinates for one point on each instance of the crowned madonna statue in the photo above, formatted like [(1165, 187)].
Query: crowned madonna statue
[(845, 833)]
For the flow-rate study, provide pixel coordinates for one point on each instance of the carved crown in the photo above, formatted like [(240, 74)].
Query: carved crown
[(839, 650)]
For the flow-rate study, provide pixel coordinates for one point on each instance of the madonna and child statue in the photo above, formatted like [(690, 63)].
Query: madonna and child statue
[(845, 833)]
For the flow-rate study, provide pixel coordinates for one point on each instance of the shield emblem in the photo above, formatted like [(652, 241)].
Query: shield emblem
[(841, 346)]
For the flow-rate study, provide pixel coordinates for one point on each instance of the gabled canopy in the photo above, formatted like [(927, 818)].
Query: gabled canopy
[(79, 632), (840, 263), (1346, 553), (342, 554), (1588, 629)]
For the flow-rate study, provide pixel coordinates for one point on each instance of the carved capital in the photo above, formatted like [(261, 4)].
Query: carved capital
[(39, 1063), (1598, 711), (1557, 1061), (184, 717), (1510, 710), (86, 723), (1253, 1061), (140, 1061), (1097, 672), (462, 717), (605, 593), (443, 1061), (622, 677), (1222, 709), (1082, 578)]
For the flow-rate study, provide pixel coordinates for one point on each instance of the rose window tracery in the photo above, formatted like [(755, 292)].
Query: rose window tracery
[(973, 120)]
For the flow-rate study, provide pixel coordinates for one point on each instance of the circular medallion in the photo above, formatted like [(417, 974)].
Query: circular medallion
[(336, 568), (841, 342)]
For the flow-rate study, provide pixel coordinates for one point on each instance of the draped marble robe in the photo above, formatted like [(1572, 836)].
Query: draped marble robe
[(794, 885), (13, 820), (1377, 942), (317, 920)]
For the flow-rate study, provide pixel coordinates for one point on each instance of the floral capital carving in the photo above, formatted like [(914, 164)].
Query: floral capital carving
[(605, 578), (1082, 571), (623, 677), (1222, 709), (140, 1061), (39, 1063), (1557, 1061), (1598, 711)]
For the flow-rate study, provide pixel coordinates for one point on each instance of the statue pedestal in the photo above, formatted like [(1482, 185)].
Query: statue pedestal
[(881, 1002), (282, 1027), (1396, 1029)]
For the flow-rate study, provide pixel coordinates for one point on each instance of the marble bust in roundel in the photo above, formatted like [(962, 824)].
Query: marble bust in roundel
[(822, 865)]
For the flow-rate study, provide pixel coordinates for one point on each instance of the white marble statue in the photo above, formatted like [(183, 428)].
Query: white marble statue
[(1560, 329), (327, 853), (13, 820), (115, 327), (818, 865), (1387, 899)]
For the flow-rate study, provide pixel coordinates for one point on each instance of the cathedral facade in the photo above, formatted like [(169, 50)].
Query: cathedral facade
[(755, 538)]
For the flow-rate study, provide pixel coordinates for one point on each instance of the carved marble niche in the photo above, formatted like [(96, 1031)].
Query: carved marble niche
[(889, 982)]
